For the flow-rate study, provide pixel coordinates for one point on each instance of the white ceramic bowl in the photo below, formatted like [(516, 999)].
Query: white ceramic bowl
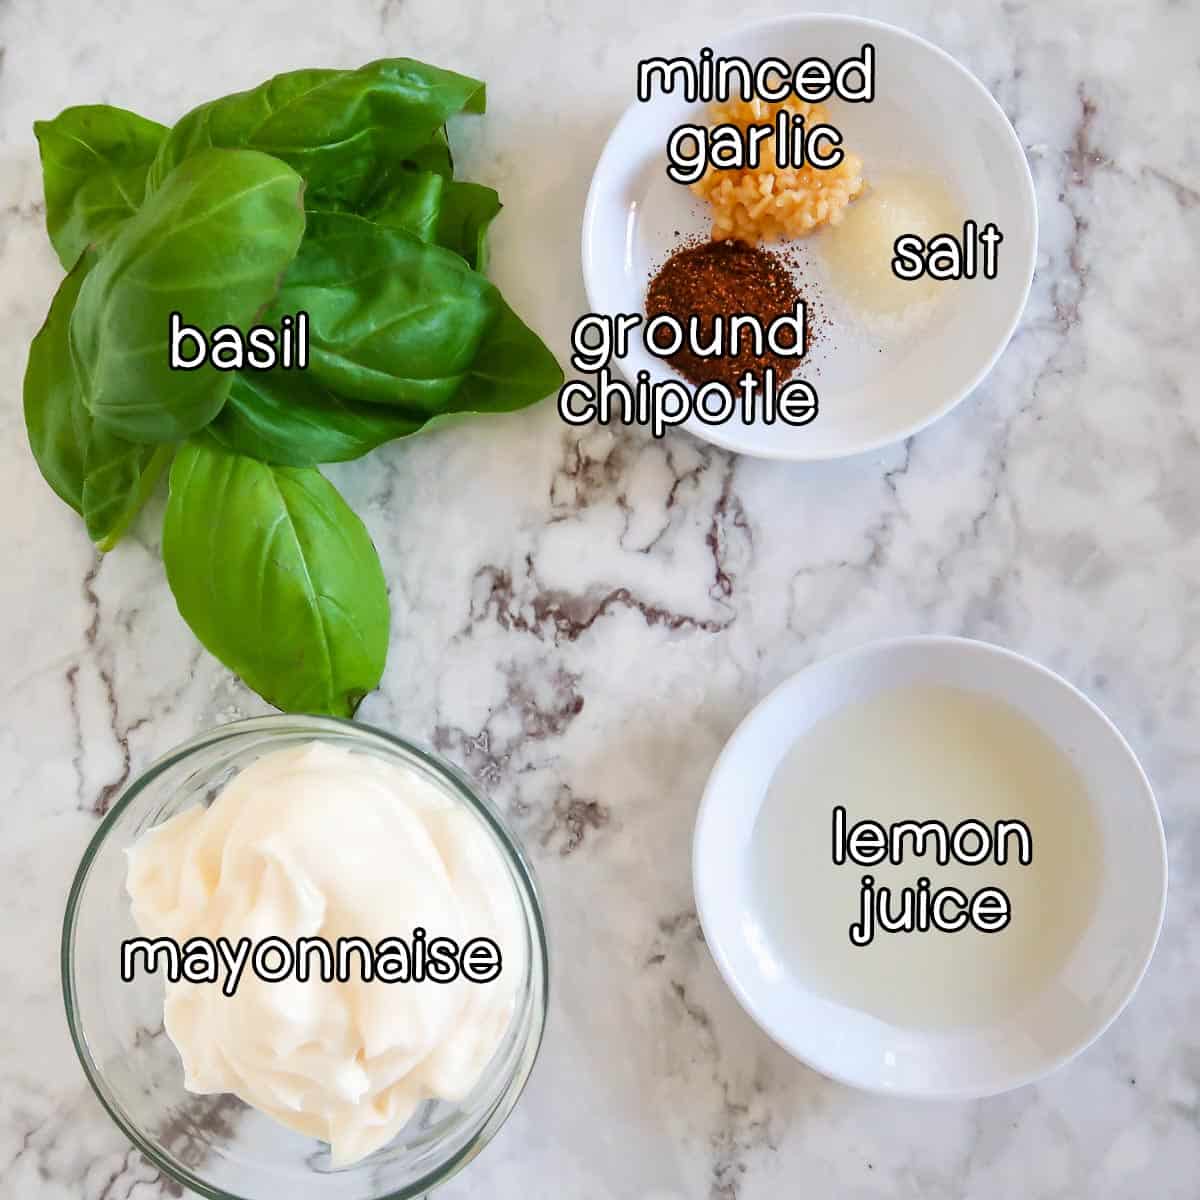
[(1091, 986), (930, 116)]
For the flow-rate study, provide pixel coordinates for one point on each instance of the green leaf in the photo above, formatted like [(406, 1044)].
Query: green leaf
[(341, 130), (392, 319), (121, 477), (513, 368), (55, 419), (100, 475), (397, 321), (94, 164), (412, 200), (277, 577), (467, 211), (434, 155), (288, 418), (212, 243), (450, 212)]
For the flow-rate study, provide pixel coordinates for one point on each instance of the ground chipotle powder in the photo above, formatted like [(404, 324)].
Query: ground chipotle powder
[(725, 278)]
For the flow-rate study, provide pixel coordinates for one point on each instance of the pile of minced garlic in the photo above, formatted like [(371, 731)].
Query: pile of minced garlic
[(768, 202)]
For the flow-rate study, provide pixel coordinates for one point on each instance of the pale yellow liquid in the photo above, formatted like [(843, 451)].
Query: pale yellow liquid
[(858, 251), (917, 753)]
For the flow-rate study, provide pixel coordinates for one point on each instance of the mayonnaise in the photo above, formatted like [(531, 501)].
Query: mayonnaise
[(319, 841)]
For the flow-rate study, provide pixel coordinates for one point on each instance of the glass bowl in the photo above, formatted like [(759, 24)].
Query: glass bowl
[(217, 1145)]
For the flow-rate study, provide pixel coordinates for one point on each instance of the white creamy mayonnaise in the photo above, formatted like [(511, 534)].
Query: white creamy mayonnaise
[(319, 841)]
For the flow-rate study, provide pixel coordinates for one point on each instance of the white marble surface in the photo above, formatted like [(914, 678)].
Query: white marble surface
[(581, 620)]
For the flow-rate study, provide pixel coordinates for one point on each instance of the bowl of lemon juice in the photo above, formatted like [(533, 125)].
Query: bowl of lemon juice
[(930, 867)]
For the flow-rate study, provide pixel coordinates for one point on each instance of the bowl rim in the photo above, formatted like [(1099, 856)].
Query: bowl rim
[(453, 777), (717, 435), (705, 905)]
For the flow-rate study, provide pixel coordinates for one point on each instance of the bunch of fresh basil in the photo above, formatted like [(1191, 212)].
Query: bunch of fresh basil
[(325, 192)]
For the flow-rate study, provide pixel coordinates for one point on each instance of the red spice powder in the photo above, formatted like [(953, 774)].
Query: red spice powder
[(726, 278)]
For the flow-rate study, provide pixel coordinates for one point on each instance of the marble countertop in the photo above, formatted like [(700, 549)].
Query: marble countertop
[(580, 618)]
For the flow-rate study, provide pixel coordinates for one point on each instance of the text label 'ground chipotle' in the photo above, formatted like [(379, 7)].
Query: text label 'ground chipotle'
[(729, 318)]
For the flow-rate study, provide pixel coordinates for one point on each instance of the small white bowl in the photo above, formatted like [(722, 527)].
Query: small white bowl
[(1092, 985), (930, 116)]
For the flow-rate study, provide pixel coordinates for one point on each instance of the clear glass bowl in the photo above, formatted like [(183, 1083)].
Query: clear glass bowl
[(217, 1145)]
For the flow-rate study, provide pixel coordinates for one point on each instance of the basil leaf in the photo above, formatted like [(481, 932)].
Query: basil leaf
[(411, 200), (512, 369), (100, 475), (397, 321), (434, 156), (121, 476), (392, 319), (467, 211), (57, 423), (339, 129), (211, 243), (94, 163), (288, 418), (277, 577), (450, 212)]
